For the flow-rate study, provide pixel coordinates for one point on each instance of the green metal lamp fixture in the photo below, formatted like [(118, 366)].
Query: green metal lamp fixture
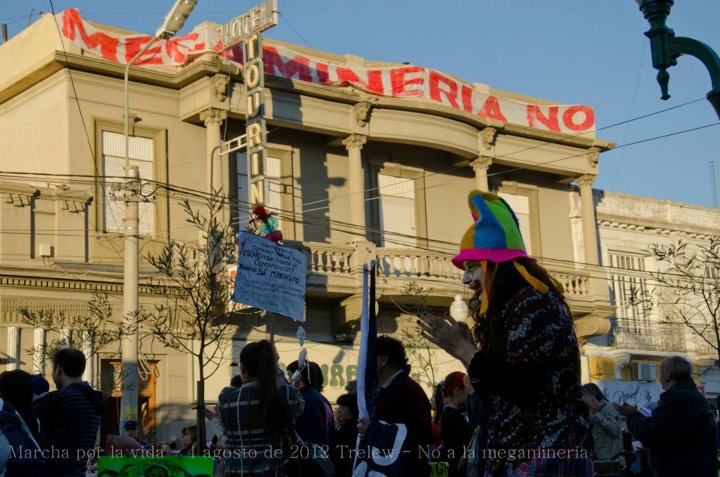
[(666, 47)]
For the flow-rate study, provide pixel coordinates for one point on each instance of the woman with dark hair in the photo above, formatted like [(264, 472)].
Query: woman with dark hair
[(343, 435), (456, 430), (315, 423), (190, 440), (258, 417), (312, 425), (16, 387), (524, 359), (438, 406), (318, 381)]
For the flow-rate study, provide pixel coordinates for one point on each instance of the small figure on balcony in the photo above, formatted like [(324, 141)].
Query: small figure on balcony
[(525, 366), (265, 224)]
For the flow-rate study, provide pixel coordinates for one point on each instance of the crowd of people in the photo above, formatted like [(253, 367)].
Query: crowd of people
[(49, 433), (516, 409)]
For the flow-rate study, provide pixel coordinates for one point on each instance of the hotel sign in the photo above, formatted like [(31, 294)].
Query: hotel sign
[(246, 29), (254, 21)]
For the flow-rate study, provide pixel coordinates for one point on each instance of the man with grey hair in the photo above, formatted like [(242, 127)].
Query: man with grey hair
[(680, 433)]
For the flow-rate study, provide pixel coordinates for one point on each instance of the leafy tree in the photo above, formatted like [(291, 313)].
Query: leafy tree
[(96, 326), (192, 320)]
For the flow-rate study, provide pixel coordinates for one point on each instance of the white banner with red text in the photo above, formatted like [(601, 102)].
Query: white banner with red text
[(403, 81)]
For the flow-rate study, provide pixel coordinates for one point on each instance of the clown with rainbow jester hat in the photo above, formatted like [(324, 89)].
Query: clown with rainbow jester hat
[(522, 355)]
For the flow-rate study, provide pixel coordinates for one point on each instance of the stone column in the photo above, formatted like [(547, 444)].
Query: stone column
[(39, 355), (212, 118), (13, 347), (356, 190), (584, 369), (480, 167), (89, 351), (486, 151), (576, 227), (588, 219)]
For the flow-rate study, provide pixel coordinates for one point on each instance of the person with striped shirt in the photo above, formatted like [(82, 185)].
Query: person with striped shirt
[(69, 417)]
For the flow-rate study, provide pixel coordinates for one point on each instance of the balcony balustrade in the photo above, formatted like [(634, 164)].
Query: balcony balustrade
[(664, 337), (337, 268)]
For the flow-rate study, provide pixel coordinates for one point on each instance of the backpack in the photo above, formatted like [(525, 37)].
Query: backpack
[(25, 458)]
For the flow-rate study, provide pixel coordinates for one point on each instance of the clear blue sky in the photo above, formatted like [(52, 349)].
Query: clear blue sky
[(569, 51)]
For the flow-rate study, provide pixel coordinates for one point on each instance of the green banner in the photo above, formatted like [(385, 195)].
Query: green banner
[(168, 466)]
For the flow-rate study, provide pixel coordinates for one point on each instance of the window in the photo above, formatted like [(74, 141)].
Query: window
[(520, 204), (629, 290), (142, 154), (275, 199), (397, 211)]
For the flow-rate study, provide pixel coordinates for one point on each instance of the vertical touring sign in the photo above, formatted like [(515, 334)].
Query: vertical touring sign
[(246, 29), (255, 121)]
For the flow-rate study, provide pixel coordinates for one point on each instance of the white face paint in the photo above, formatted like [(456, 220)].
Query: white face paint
[(473, 276)]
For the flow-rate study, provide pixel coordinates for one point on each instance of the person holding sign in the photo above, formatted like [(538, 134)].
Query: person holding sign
[(525, 365)]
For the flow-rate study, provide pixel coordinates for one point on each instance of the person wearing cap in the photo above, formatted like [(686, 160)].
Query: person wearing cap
[(522, 356), (456, 430)]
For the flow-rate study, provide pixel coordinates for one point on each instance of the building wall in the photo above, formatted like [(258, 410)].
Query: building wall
[(34, 127), (629, 225), (429, 144)]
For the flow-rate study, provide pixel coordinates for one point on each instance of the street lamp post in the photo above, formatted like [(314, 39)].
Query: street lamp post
[(173, 22), (666, 48)]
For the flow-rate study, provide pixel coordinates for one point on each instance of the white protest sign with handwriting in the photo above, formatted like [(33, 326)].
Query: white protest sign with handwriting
[(270, 277), (633, 392)]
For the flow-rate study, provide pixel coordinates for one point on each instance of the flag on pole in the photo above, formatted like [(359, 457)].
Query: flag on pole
[(379, 453), (367, 362)]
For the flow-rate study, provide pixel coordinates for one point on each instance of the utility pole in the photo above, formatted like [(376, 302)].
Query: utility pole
[(130, 194), (130, 341)]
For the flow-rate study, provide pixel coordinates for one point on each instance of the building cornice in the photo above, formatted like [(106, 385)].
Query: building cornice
[(91, 277), (105, 286), (657, 227), (168, 77), (558, 138)]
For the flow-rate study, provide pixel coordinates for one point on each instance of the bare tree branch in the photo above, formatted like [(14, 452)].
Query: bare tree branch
[(691, 280)]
